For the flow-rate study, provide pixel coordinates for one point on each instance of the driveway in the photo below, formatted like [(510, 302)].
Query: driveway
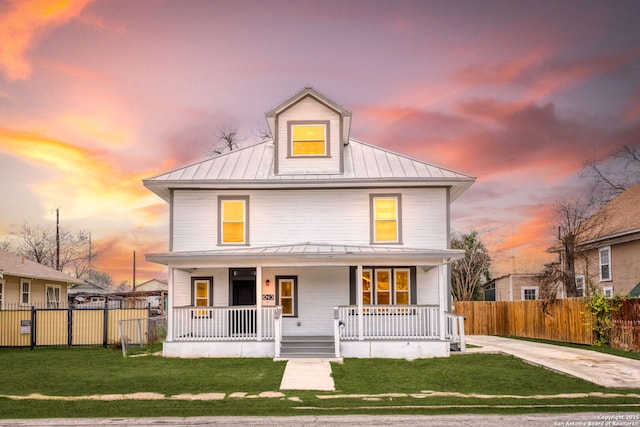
[(599, 368)]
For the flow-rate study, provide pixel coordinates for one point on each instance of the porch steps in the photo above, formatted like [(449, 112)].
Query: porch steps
[(308, 347)]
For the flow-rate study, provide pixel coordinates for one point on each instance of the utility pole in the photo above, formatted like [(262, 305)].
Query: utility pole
[(134, 269), (58, 239)]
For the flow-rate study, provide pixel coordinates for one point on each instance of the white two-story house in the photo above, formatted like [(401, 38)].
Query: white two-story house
[(311, 243)]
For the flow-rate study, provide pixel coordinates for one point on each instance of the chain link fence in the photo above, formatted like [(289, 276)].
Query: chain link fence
[(138, 335)]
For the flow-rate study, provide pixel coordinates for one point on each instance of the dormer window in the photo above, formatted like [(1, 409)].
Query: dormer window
[(309, 139)]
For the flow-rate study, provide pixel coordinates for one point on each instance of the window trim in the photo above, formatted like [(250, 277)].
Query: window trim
[(608, 264), (582, 288), (372, 217), (22, 293), (536, 290), (609, 289), (327, 134), (194, 280), (411, 297), (48, 286), (294, 297), (221, 200)]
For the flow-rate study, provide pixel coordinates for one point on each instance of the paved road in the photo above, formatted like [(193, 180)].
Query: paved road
[(596, 367), (582, 419)]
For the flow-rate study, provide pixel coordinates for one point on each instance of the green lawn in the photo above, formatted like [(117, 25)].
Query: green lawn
[(96, 371)]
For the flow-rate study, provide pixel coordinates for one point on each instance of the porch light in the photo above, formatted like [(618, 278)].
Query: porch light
[(267, 283)]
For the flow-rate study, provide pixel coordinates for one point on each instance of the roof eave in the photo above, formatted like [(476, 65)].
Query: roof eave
[(420, 258)]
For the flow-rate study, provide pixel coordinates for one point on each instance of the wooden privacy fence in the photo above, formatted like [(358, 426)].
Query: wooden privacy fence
[(625, 326), (565, 320), (31, 327)]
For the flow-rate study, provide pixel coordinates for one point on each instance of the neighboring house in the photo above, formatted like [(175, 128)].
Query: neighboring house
[(311, 236), (25, 283), (85, 292), (512, 287), (609, 258), (152, 285)]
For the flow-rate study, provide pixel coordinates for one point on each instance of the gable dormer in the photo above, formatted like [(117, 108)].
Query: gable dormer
[(309, 131)]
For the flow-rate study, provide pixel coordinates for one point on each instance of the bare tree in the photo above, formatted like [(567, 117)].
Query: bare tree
[(227, 139), (616, 173), (467, 273), (38, 243), (577, 220), (263, 134)]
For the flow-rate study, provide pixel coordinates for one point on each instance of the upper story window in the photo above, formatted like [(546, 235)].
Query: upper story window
[(385, 218), (233, 226), (309, 139), (605, 263)]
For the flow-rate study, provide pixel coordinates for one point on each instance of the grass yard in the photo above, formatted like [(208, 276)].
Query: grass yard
[(428, 386)]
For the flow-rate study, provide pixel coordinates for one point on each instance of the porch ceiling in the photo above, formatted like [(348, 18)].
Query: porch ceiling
[(310, 254)]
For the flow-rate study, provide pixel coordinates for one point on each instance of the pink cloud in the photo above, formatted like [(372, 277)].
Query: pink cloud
[(542, 74), (633, 111), (23, 23)]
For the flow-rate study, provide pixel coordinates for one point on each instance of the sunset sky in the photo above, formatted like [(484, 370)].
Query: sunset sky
[(97, 95)]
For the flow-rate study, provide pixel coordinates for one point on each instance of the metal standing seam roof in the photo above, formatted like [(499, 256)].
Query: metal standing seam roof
[(310, 251), (252, 166), (14, 265)]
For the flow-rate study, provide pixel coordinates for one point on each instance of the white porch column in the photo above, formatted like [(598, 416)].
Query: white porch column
[(259, 302), (442, 298), (359, 301), (169, 313)]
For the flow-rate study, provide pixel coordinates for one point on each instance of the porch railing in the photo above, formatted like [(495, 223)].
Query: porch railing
[(389, 322), (455, 330), (237, 323)]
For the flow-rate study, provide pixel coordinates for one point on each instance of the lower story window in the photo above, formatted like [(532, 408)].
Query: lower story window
[(202, 293), (53, 296), (387, 286), (287, 291), (25, 292), (530, 293), (607, 291)]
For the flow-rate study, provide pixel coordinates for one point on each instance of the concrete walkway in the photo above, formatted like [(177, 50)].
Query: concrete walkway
[(596, 367), (308, 374)]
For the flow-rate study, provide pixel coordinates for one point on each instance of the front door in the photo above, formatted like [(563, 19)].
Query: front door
[(243, 292)]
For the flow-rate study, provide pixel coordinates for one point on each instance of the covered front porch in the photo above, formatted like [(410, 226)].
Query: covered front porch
[(373, 331), (378, 302)]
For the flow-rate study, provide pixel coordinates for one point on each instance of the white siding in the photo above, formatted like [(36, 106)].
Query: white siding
[(181, 291), (338, 216), (427, 286), (319, 290), (194, 220), (311, 110)]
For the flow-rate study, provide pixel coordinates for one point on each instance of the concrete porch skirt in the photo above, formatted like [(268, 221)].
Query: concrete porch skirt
[(395, 349), (219, 349), (387, 349)]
